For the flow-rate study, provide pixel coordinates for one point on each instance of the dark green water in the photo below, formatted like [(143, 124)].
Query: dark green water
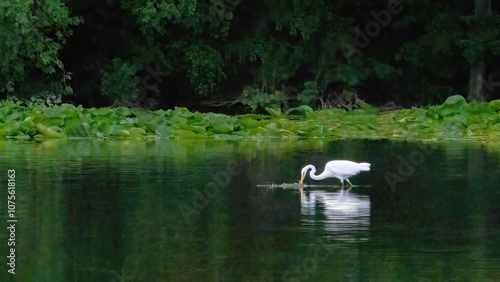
[(229, 211)]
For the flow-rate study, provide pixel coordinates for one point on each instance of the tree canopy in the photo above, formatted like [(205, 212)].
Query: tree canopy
[(165, 53)]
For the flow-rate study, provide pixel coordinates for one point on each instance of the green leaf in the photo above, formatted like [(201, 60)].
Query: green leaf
[(143, 115), (27, 127), (115, 129), (103, 111), (181, 133), (163, 130), (461, 119), (276, 112), (136, 132), (75, 128), (49, 132)]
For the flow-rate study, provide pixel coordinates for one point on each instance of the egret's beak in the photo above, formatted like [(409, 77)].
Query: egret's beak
[(301, 178)]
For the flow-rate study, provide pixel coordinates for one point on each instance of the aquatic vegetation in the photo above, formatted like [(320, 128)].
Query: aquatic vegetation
[(455, 118)]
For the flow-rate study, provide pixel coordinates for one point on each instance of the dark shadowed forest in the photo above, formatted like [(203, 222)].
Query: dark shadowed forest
[(239, 55)]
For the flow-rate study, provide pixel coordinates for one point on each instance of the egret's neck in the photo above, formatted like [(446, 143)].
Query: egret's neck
[(313, 175)]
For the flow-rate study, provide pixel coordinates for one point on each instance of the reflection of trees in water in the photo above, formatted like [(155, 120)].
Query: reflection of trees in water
[(343, 214), (104, 207)]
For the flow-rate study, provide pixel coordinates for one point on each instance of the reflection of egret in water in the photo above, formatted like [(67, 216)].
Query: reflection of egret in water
[(343, 214)]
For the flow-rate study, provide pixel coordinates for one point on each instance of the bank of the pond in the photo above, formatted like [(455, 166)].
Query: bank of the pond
[(453, 119)]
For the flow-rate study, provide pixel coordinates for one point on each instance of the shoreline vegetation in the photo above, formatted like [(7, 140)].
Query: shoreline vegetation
[(454, 119)]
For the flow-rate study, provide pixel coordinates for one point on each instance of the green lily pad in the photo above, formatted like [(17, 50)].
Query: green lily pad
[(453, 105), (49, 131), (163, 130), (461, 119), (274, 112), (181, 133), (75, 128), (136, 131)]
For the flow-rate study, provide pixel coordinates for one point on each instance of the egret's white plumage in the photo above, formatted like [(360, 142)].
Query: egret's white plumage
[(339, 169)]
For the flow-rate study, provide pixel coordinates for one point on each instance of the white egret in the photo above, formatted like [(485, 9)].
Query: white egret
[(339, 169)]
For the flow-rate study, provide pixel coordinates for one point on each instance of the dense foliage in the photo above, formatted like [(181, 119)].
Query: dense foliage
[(453, 119), (163, 53), (32, 35)]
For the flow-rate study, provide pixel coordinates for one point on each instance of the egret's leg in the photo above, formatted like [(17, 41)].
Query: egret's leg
[(342, 182), (347, 179)]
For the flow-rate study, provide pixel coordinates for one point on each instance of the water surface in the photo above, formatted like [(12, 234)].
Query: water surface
[(170, 210)]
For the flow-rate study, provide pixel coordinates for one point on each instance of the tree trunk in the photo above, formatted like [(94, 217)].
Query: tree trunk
[(483, 8), (478, 66), (476, 82)]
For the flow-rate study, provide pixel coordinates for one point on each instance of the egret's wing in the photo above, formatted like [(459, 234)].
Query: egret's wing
[(347, 166), (343, 171)]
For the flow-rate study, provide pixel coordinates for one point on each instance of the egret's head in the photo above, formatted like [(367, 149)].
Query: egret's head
[(303, 174)]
